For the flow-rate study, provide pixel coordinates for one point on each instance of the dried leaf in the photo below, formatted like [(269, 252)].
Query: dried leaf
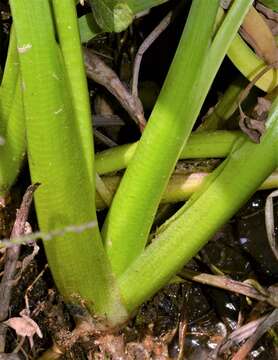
[(254, 125), (99, 72), (272, 4), (258, 35), (24, 326), (270, 17)]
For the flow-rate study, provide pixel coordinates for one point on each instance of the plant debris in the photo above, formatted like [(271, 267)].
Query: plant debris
[(98, 71)]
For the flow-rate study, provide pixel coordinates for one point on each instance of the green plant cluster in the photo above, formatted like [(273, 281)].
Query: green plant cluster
[(45, 111)]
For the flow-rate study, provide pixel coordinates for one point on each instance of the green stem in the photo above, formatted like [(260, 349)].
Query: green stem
[(13, 151), (12, 119), (224, 192), (135, 204), (179, 188), (56, 149), (248, 63), (208, 144), (9, 82), (104, 292), (226, 106), (69, 39)]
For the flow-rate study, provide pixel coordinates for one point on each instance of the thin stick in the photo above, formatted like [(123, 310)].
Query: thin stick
[(226, 283), (182, 334), (102, 74), (12, 255), (104, 139), (144, 47), (46, 236), (267, 323), (237, 336), (269, 222), (243, 95), (31, 286)]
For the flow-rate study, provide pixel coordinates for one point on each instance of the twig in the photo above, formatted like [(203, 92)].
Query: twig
[(107, 120), (47, 236), (243, 95), (237, 336), (269, 222), (12, 254), (30, 288), (182, 333), (98, 71), (270, 14), (104, 139), (223, 282), (144, 47), (264, 326)]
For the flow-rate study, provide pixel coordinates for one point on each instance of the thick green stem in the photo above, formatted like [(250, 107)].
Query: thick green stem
[(229, 186), (12, 119), (248, 63), (251, 65), (225, 107), (9, 81), (180, 187), (134, 206), (56, 149), (208, 144), (69, 39), (13, 151)]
